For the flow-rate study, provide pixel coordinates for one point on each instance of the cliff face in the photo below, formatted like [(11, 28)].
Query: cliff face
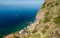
[(47, 24)]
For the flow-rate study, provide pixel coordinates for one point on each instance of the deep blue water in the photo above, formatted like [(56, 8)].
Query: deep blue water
[(11, 15), (14, 16)]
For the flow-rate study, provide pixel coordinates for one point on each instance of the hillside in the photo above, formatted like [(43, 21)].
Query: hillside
[(47, 24)]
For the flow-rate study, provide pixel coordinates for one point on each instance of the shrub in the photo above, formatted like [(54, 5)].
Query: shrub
[(47, 18), (43, 31), (57, 21), (44, 5), (34, 31)]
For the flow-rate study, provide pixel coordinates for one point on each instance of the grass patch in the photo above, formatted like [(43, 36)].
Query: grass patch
[(46, 19), (58, 1), (47, 14), (34, 31), (43, 31), (57, 21)]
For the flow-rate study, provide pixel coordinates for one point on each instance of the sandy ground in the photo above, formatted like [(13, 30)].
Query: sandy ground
[(9, 36)]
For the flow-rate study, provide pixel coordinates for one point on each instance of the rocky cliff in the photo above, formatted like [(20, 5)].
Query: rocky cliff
[(47, 24)]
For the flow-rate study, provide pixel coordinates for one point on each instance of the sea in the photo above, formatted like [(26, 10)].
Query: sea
[(14, 17)]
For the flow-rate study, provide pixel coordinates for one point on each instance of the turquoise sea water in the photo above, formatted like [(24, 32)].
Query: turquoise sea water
[(15, 16)]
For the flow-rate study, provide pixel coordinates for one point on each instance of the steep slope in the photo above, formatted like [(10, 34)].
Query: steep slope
[(47, 24)]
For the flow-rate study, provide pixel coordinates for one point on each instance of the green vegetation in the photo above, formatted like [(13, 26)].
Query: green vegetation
[(47, 14), (50, 4), (43, 31), (16, 37), (44, 5), (58, 1), (56, 4), (34, 31), (46, 19), (57, 21), (45, 28)]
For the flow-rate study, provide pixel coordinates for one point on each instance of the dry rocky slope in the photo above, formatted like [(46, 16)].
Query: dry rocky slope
[(47, 24)]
